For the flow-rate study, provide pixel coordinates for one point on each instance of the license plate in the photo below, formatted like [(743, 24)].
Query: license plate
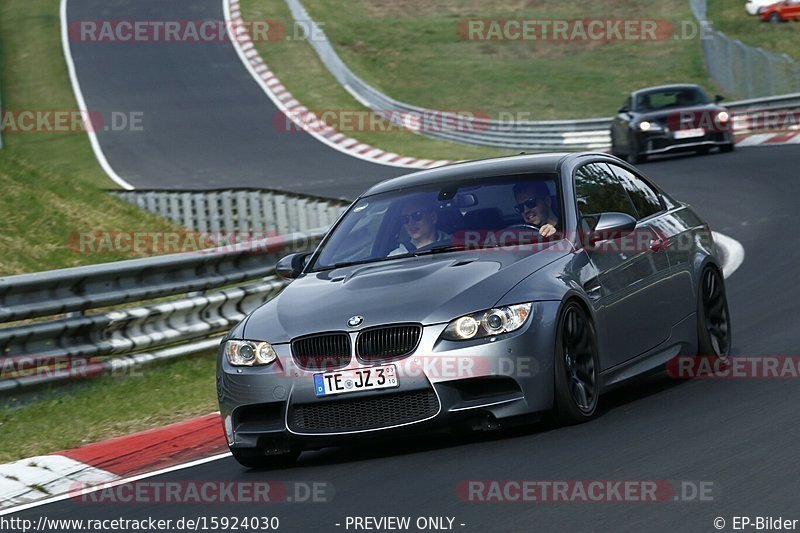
[(688, 134), (375, 377)]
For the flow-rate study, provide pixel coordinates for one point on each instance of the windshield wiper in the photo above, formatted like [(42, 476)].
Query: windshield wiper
[(439, 250), (346, 264)]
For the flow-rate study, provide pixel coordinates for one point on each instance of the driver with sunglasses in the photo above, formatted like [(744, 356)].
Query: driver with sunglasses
[(534, 203), (419, 220)]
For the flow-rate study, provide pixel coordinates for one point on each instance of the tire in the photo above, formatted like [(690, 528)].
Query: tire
[(774, 18), (703, 150), (634, 156), (713, 316), (727, 147), (255, 458), (577, 368)]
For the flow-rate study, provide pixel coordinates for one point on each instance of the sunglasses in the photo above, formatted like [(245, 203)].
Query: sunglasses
[(416, 216), (530, 203)]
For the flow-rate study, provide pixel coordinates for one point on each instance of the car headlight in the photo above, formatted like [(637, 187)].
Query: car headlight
[(723, 116), (645, 125), (249, 353), (487, 323)]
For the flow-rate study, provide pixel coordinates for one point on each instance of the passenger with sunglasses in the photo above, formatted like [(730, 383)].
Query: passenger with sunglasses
[(535, 205), (419, 220)]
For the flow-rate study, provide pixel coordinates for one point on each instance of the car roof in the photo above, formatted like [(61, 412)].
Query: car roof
[(669, 87), (496, 166)]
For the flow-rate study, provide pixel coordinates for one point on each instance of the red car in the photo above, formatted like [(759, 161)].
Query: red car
[(782, 11)]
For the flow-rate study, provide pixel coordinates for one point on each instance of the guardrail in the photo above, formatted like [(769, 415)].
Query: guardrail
[(238, 211), (235, 281), (587, 134)]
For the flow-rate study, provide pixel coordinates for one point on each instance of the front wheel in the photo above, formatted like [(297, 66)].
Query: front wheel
[(774, 18), (713, 317), (577, 380), (256, 458)]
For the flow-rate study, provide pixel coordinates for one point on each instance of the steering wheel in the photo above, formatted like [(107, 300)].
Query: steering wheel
[(523, 226)]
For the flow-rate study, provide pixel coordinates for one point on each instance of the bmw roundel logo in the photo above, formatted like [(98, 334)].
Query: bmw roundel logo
[(355, 321)]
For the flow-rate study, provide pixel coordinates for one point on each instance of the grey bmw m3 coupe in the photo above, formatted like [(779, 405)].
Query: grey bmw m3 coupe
[(473, 296)]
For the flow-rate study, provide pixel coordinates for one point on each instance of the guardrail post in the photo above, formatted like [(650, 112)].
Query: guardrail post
[(256, 216), (281, 214), (242, 215), (227, 212), (201, 212)]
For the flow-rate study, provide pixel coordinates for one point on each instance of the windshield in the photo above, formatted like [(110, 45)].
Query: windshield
[(682, 97), (442, 217)]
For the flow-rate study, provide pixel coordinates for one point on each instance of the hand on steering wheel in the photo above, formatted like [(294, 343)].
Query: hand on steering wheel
[(545, 231), (523, 226)]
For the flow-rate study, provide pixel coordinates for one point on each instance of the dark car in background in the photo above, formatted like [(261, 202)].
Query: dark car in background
[(781, 11), (492, 324), (670, 118)]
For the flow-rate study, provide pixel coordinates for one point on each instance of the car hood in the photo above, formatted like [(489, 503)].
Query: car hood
[(685, 117), (428, 290)]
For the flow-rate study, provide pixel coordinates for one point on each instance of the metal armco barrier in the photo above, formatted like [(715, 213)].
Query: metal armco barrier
[(238, 210), (175, 328), (553, 135), (82, 288)]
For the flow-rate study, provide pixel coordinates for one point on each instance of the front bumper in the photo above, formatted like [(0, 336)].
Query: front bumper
[(662, 142), (442, 385)]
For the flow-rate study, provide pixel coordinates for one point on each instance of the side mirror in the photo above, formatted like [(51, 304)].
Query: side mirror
[(611, 226), (718, 98), (623, 109), (291, 266)]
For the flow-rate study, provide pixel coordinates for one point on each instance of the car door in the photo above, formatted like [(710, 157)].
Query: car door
[(662, 233), (792, 9), (630, 274)]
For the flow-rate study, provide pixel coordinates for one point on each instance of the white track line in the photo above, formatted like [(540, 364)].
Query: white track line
[(103, 486), (734, 253), (76, 88), (282, 106)]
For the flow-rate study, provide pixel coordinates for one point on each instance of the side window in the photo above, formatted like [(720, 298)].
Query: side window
[(644, 198), (597, 190)]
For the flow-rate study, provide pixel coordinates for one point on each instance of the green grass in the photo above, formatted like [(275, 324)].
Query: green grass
[(109, 407), (50, 182), (299, 68), (410, 50), (731, 19)]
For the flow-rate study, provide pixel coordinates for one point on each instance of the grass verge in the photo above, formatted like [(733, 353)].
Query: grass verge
[(108, 407), (731, 19), (51, 183), (410, 50)]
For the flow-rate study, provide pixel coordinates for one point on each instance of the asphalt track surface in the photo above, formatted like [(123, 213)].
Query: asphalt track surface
[(741, 435), (206, 123)]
